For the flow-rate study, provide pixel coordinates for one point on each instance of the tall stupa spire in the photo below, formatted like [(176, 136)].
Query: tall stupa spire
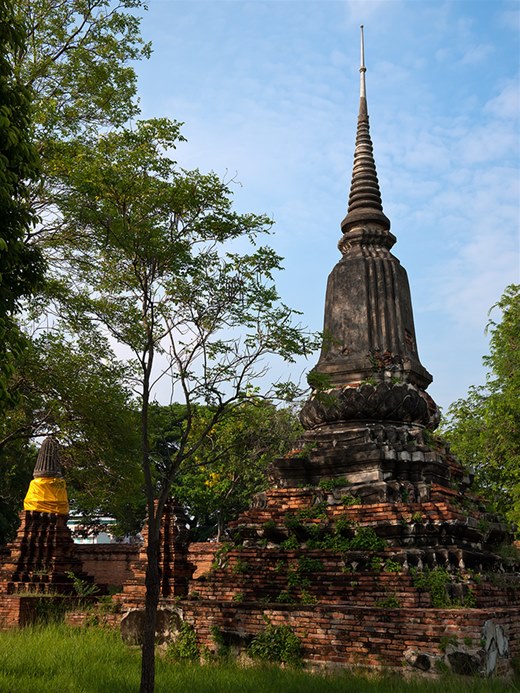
[(362, 70), (364, 203), (368, 323)]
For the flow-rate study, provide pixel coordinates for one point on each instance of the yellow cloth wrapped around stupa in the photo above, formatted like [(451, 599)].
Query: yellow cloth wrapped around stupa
[(47, 491), (47, 495)]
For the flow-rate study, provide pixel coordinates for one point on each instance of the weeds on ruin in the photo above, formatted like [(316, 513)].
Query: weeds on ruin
[(239, 567), (392, 566), (390, 602), (436, 582), (83, 588), (334, 483), (221, 558)]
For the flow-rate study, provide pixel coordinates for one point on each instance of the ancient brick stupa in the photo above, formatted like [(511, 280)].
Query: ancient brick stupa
[(42, 555), (372, 399), (369, 544)]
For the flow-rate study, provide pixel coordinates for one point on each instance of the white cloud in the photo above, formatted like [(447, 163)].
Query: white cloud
[(474, 55), (507, 103)]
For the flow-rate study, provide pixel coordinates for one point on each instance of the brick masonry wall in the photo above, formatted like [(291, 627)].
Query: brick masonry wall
[(345, 636), (108, 564), (252, 574), (201, 555)]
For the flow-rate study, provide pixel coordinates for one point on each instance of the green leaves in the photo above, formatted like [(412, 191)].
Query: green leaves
[(77, 61), (230, 466), (484, 428), (21, 266)]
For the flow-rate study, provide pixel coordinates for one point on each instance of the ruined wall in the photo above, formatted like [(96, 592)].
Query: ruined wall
[(202, 555), (466, 640), (108, 564)]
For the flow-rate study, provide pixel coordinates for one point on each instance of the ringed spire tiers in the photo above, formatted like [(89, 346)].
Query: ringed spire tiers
[(364, 204), (369, 333)]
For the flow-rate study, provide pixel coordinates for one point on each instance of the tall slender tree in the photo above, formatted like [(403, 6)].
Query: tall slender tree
[(21, 265), (152, 256)]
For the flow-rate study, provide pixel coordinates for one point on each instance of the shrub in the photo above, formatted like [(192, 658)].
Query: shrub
[(277, 644), (366, 538), (336, 482), (185, 647)]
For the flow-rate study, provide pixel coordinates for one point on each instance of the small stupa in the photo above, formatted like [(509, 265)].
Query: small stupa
[(47, 491), (42, 557)]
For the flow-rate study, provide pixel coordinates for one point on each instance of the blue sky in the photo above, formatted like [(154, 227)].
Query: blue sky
[(269, 93)]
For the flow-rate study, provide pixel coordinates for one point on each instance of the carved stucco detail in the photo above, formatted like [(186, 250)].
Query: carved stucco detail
[(381, 402)]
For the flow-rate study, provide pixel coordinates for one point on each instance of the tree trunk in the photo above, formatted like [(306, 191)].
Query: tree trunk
[(150, 618)]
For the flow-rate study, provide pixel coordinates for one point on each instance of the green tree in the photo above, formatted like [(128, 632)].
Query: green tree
[(152, 257), (21, 265), (76, 59), (484, 428), (62, 389), (16, 467), (232, 465)]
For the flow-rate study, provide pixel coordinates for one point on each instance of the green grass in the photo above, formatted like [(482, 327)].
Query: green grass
[(57, 659)]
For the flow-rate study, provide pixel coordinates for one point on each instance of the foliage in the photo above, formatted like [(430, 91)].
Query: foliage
[(277, 644), (185, 646), (290, 544), (71, 59), (147, 260), (314, 512), (83, 588), (307, 564), (392, 566), (239, 567), (77, 61), (151, 257), (298, 576), (364, 538), (51, 608), (231, 464), (21, 266), (16, 468), (62, 390), (483, 429), (334, 483), (436, 581)]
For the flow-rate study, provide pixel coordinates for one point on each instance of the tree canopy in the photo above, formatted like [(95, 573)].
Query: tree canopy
[(21, 265), (156, 257), (147, 261), (232, 464), (484, 427)]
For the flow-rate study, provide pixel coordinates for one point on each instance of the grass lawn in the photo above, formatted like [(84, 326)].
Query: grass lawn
[(57, 659)]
